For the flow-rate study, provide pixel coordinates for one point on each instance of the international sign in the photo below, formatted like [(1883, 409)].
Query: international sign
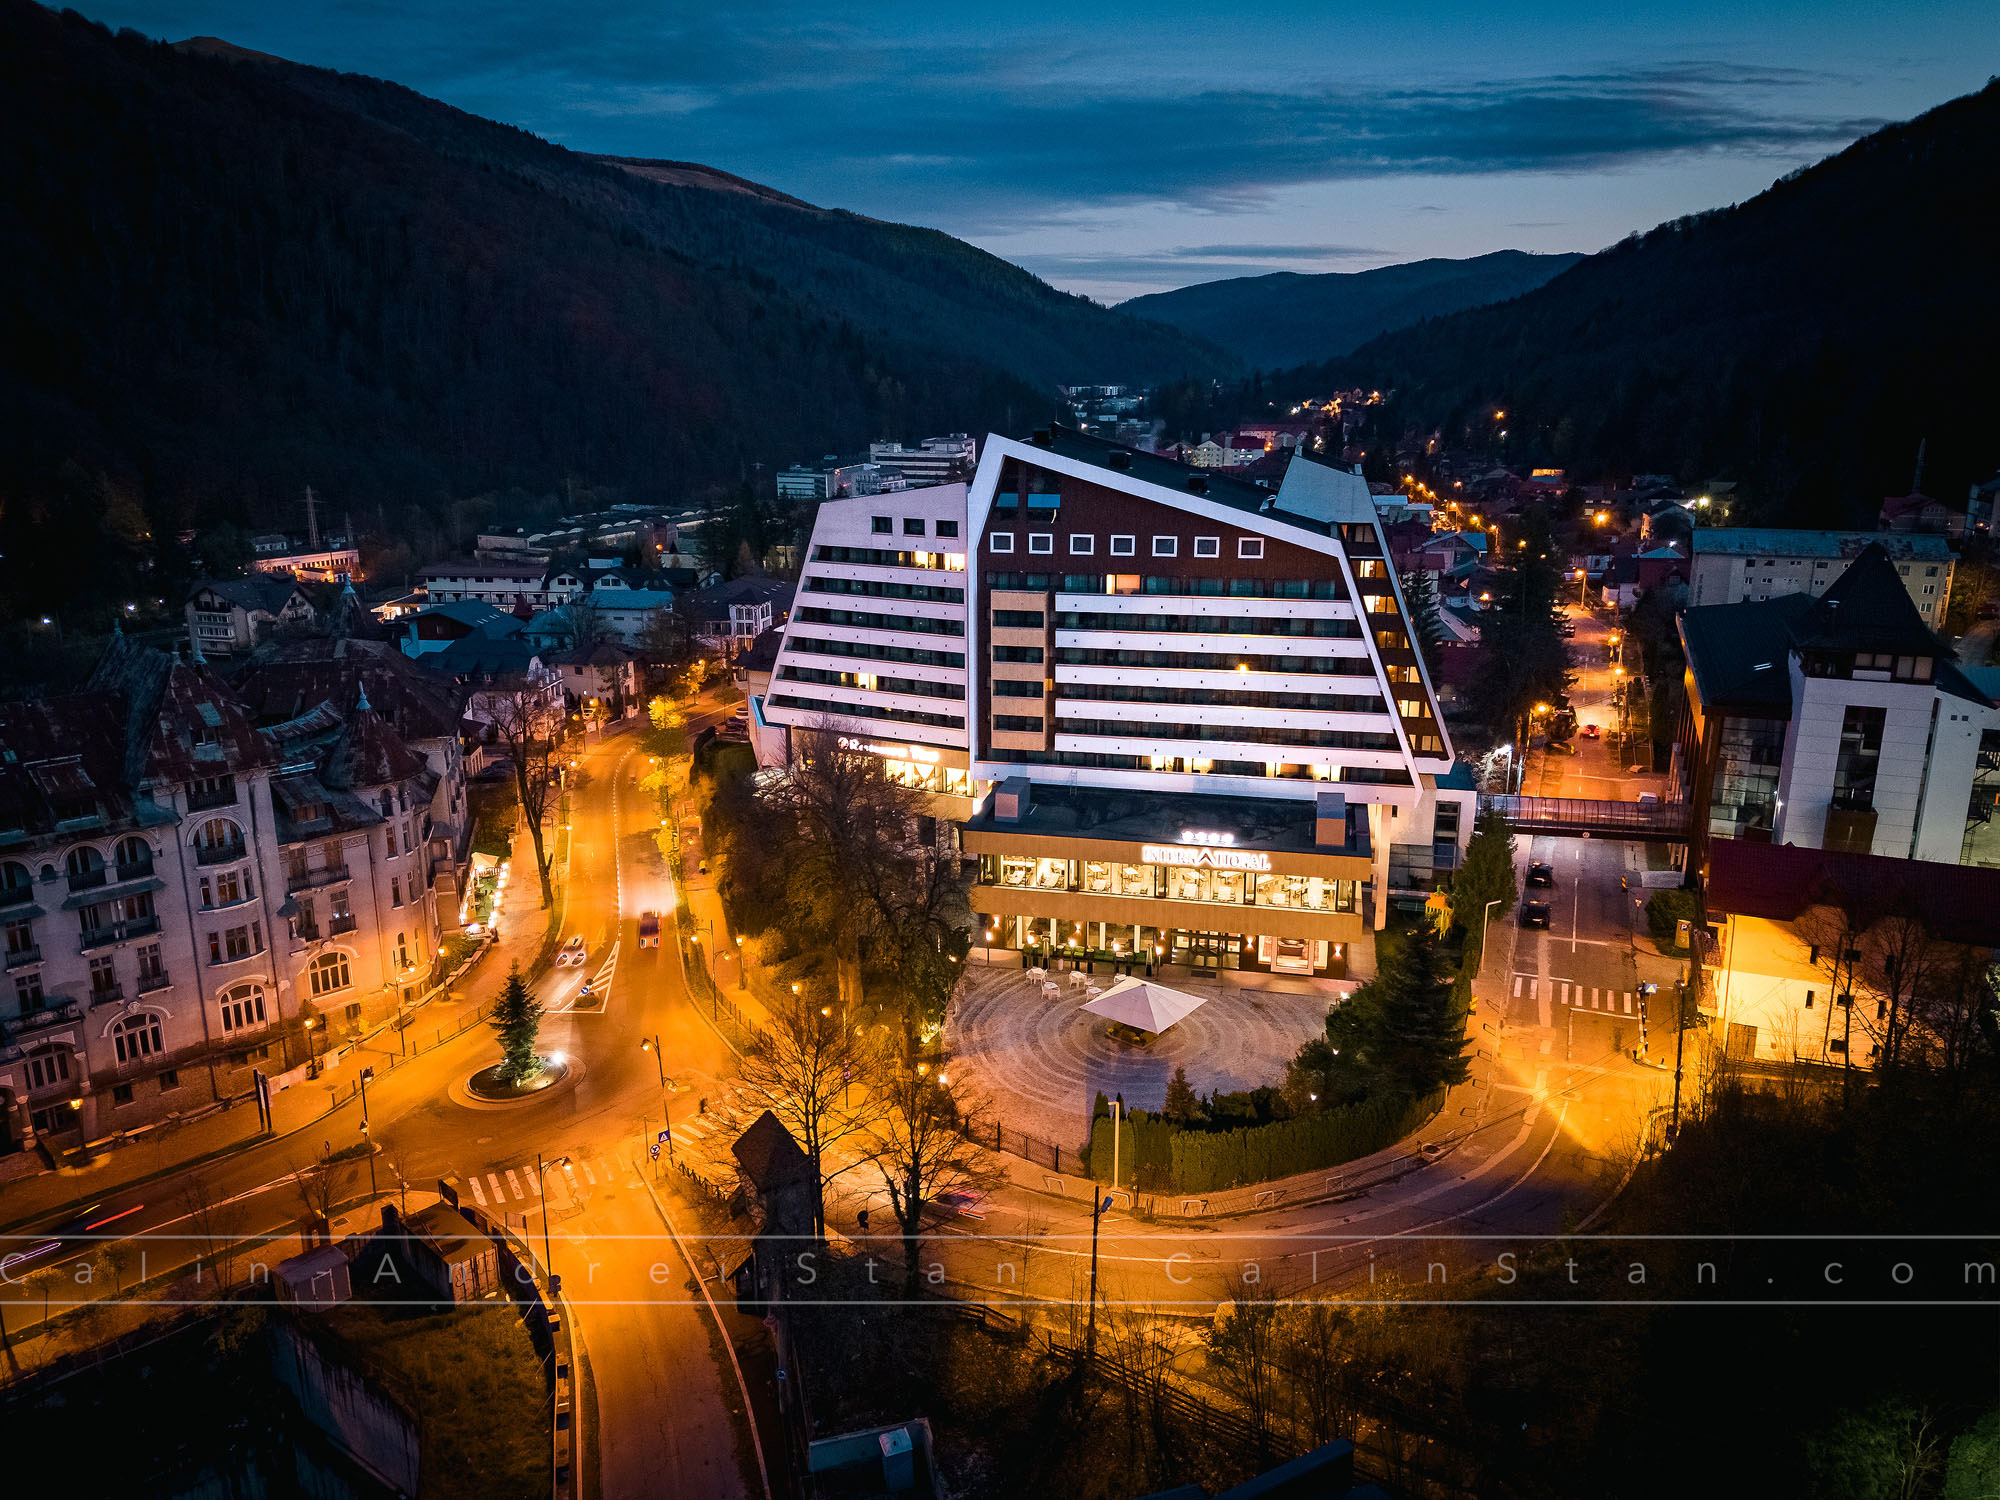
[(1218, 859)]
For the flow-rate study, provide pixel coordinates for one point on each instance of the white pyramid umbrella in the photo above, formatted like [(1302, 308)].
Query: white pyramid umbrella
[(1145, 1005)]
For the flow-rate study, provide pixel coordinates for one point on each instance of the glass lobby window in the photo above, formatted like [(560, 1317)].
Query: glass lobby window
[(1052, 874), (1016, 869), (1187, 885), (1309, 892), (1100, 878), (1226, 885)]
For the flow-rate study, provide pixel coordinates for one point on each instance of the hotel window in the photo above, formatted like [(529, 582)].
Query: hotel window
[(1249, 546), (1124, 546), (879, 525), (136, 1037), (947, 528), (1051, 874), (1016, 724), (1081, 544), (1000, 541), (1104, 879), (328, 973), (1041, 542), (1016, 869), (242, 1006), (913, 526), (1166, 546), (1208, 546)]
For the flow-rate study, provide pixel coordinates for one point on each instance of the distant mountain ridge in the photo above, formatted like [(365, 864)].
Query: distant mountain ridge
[(1293, 317), (1804, 342), (230, 276)]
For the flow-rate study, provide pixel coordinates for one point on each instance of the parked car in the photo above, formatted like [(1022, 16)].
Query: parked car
[(1541, 872), (1592, 731), (570, 955), (649, 929), (1535, 914), (1648, 799)]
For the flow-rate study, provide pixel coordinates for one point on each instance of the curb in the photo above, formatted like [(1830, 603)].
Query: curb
[(742, 1385)]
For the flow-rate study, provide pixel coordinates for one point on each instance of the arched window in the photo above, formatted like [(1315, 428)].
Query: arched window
[(46, 1069), (328, 973), (85, 867), (135, 858), (216, 840), (137, 1037), (242, 1006), (402, 952), (17, 883)]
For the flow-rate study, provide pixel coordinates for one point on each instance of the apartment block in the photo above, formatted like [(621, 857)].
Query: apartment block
[(1752, 564)]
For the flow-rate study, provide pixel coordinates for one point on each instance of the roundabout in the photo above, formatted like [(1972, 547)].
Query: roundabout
[(483, 1090)]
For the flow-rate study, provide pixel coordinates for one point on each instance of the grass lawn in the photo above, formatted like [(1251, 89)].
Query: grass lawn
[(473, 1379)]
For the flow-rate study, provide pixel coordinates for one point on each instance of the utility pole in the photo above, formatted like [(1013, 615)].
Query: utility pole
[(312, 517), (1680, 1046)]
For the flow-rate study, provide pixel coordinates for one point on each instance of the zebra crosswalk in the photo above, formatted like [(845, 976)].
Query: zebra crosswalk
[(1576, 996), (562, 1177)]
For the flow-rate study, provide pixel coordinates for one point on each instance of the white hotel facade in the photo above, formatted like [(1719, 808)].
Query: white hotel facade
[(1172, 714)]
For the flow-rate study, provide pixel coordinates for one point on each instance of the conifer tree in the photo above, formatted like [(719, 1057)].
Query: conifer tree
[(517, 1021)]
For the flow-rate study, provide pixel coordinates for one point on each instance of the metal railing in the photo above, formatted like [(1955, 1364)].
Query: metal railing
[(118, 932), (32, 954), (219, 854), (302, 880)]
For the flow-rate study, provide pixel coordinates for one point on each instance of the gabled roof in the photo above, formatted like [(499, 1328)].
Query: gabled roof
[(1781, 881), (769, 1156), (477, 613), (288, 680), (268, 593), (1867, 608), (481, 656)]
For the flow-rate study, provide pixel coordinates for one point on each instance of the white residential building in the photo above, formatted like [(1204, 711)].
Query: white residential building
[(1734, 565), (934, 461)]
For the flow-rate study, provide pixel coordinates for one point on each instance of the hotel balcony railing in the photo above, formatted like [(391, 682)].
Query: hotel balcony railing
[(137, 870), (16, 895), (204, 800), (219, 854), (118, 932), (85, 880), (32, 954), (150, 982), (345, 922), (106, 994)]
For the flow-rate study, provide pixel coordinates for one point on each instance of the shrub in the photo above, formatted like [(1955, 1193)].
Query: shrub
[(1664, 914)]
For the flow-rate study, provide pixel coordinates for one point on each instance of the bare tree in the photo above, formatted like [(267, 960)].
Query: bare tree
[(321, 1187), (1950, 1016), (208, 1228), (1833, 931), (525, 738), (1903, 962), (921, 1145), (1244, 1350), (807, 1067)]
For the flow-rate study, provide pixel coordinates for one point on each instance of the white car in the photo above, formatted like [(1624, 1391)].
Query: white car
[(570, 955)]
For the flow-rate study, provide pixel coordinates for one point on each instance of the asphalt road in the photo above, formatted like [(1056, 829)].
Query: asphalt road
[(661, 1394)]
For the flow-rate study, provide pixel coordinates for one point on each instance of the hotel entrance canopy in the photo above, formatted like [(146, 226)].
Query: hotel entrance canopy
[(1145, 1005)]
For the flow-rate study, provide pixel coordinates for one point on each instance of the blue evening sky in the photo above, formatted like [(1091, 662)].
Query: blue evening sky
[(1116, 148)]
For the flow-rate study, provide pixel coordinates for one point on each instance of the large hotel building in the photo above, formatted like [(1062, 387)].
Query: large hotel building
[(1171, 714)]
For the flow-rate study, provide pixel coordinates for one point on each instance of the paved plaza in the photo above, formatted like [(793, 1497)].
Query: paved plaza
[(1042, 1059)]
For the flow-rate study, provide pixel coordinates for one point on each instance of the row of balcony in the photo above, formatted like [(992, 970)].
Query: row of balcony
[(118, 932)]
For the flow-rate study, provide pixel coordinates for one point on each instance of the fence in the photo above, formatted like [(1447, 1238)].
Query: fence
[(737, 1029), (1003, 1137)]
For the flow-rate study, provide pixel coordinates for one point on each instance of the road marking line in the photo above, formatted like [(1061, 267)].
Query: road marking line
[(1628, 1002), (514, 1182), (494, 1179), (534, 1186), (477, 1196), (588, 1174)]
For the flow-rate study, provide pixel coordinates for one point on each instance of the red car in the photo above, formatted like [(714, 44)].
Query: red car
[(1591, 731), (649, 929)]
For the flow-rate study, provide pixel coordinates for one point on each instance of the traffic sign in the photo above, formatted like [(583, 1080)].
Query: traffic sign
[(654, 1151), (666, 1135)]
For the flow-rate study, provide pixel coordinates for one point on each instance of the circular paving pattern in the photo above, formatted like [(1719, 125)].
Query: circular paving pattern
[(1042, 1061)]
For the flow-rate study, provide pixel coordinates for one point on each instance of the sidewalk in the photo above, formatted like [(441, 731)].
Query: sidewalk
[(222, 1129)]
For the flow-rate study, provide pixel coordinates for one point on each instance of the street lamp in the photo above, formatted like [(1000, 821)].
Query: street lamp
[(1097, 1212), (366, 1139), (541, 1184), (1485, 917)]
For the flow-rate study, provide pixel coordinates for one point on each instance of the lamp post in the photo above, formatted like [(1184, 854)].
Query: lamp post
[(541, 1183), (1117, 1109), (1097, 1212), (366, 1139), (1680, 1046)]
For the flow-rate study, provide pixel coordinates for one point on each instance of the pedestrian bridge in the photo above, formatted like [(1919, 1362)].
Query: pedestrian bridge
[(1659, 822)]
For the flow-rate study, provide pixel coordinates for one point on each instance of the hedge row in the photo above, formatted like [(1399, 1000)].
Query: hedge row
[(1155, 1156)]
